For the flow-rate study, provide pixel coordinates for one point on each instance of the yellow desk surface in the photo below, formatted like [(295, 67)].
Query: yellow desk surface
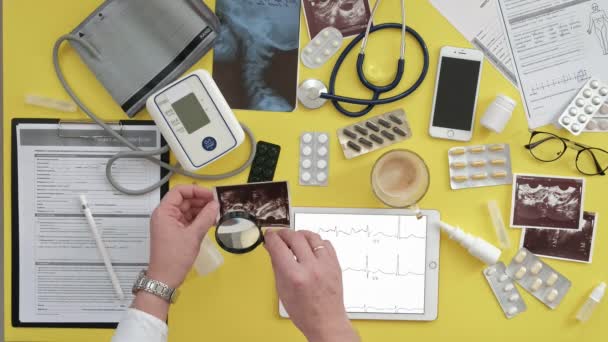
[(238, 302)]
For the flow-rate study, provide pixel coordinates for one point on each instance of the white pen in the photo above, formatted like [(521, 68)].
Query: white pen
[(101, 247)]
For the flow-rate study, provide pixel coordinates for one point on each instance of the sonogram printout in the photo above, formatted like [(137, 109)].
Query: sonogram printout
[(382, 259)]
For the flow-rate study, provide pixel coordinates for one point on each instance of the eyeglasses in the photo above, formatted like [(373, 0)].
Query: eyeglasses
[(548, 147)]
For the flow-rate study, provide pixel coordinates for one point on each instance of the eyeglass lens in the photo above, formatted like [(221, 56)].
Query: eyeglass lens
[(592, 161), (546, 147)]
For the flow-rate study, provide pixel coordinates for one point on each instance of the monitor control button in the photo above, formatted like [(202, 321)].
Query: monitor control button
[(209, 144), (450, 134), (432, 265)]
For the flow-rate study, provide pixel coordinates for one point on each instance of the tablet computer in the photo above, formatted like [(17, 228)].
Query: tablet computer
[(389, 259)]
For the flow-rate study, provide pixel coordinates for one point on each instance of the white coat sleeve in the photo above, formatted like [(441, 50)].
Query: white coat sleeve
[(138, 326)]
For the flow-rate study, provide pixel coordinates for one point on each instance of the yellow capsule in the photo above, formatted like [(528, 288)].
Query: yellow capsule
[(497, 148), (478, 163), (457, 151), (498, 162), (478, 149), (459, 165), (480, 176), (460, 179), (499, 174)]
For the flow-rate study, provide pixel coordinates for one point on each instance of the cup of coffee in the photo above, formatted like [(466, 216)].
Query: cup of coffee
[(400, 178)]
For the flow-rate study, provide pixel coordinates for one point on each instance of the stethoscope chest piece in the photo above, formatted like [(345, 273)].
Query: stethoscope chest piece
[(309, 93)]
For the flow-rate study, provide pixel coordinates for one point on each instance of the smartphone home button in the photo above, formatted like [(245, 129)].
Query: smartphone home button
[(450, 133)]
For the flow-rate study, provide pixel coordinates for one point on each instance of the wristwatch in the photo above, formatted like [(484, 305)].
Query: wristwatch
[(155, 287)]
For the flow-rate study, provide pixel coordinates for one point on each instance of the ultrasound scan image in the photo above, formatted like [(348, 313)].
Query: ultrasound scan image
[(348, 16)]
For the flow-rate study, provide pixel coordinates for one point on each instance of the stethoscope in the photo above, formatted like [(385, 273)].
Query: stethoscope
[(313, 94)]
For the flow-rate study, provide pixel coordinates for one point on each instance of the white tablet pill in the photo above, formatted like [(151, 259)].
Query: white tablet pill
[(509, 287), (604, 91), (512, 311), (580, 102), (589, 110), (321, 177), (573, 111), (594, 84), (514, 297), (596, 101), (576, 128), (566, 120), (587, 93), (306, 163), (307, 138), (321, 164), (490, 271), (322, 151), (323, 138), (503, 278), (307, 150), (306, 176)]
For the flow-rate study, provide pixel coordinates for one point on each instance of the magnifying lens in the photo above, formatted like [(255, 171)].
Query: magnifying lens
[(238, 232)]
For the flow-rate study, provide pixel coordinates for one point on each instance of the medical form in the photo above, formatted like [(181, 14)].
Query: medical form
[(557, 46), (62, 278), (479, 23)]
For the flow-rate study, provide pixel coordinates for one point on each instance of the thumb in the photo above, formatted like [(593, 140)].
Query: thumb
[(205, 218)]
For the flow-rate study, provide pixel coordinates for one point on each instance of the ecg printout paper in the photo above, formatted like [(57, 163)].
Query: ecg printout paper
[(557, 46), (62, 277), (382, 259), (479, 23)]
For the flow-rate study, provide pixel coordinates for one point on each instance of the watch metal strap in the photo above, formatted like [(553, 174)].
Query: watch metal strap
[(154, 287)]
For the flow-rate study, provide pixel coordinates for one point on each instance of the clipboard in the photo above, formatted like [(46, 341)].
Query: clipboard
[(15, 255)]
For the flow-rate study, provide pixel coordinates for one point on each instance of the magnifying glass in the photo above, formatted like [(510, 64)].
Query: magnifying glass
[(239, 232)]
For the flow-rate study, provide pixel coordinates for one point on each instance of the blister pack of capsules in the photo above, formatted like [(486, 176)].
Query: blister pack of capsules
[(314, 159), (538, 278), (480, 165), (374, 133), (505, 291)]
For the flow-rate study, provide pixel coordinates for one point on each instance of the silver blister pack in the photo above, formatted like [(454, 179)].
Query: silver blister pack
[(584, 106), (374, 133), (599, 123), (314, 159), (480, 165), (538, 278), (505, 290)]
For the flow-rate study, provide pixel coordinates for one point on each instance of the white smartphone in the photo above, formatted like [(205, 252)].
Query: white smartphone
[(456, 88)]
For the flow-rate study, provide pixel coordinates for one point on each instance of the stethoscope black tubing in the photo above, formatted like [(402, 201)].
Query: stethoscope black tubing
[(377, 90)]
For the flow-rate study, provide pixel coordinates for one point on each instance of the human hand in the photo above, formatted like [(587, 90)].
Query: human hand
[(310, 285), (178, 226)]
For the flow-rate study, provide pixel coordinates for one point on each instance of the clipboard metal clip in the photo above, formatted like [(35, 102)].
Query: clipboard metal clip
[(63, 132)]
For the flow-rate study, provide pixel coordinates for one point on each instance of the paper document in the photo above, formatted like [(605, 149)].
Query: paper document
[(557, 46), (478, 21), (62, 278)]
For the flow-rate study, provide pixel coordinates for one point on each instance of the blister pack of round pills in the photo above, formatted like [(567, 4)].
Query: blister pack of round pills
[(584, 106), (322, 47), (504, 289), (314, 159), (599, 123)]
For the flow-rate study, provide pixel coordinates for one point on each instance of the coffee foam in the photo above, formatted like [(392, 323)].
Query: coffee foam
[(400, 178)]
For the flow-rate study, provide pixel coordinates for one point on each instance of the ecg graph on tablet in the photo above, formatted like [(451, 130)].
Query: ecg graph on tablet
[(382, 259)]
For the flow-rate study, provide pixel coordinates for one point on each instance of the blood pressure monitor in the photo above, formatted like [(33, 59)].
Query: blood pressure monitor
[(195, 119)]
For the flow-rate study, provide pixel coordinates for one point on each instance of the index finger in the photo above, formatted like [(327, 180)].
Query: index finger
[(179, 193), (281, 256)]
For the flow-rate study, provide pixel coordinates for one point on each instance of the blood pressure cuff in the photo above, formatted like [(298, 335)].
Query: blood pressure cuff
[(144, 45)]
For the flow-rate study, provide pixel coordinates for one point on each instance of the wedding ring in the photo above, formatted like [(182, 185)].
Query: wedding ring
[(318, 248)]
